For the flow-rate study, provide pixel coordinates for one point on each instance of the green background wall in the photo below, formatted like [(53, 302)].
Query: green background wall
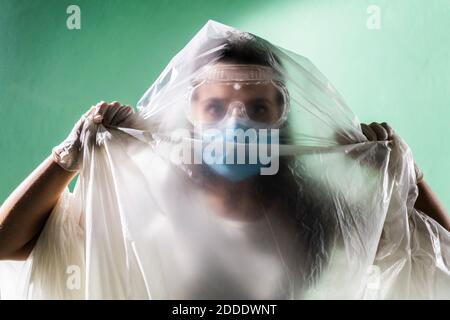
[(50, 75)]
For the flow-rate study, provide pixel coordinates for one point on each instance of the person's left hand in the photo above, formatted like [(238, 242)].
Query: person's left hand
[(377, 131), (383, 132)]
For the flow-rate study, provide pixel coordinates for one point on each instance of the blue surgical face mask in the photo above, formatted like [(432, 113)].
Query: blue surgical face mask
[(240, 136)]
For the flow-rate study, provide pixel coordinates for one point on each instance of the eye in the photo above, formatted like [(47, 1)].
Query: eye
[(215, 109), (258, 111)]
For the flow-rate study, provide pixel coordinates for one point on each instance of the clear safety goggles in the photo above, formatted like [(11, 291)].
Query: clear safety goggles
[(251, 92)]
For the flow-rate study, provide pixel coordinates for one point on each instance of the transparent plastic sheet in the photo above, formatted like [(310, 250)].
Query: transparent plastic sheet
[(335, 221)]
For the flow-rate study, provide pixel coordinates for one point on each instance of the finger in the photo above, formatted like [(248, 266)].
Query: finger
[(92, 110), (389, 130), (99, 105), (368, 132), (381, 133), (121, 115), (342, 138), (115, 104), (111, 111), (99, 111), (89, 112)]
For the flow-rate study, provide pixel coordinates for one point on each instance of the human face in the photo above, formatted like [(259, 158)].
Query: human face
[(238, 91)]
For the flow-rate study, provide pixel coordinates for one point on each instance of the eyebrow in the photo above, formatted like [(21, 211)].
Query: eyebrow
[(215, 99), (212, 100), (260, 99)]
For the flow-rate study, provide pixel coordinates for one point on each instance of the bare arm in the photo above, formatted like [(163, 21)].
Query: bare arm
[(24, 213), (428, 203)]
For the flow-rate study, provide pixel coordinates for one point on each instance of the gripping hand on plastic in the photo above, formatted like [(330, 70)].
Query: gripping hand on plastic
[(68, 154), (383, 132)]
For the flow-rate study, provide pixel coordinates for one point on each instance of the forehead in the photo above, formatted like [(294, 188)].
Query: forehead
[(235, 90)]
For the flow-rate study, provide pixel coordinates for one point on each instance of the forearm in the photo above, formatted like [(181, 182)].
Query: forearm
[(25, 211), (428, 203)]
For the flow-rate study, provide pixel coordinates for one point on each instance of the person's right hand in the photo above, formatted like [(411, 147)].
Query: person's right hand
[(68, 154)]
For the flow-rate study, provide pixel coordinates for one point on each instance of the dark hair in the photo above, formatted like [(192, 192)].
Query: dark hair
[(244, 48), (238, 48)]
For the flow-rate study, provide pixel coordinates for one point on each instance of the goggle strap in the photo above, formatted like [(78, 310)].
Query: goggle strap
[(238, 73)]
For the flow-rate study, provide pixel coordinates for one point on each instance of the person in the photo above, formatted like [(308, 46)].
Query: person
[(236, 191)]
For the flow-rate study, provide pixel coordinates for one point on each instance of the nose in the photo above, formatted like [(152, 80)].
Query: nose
[(237, 109)]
